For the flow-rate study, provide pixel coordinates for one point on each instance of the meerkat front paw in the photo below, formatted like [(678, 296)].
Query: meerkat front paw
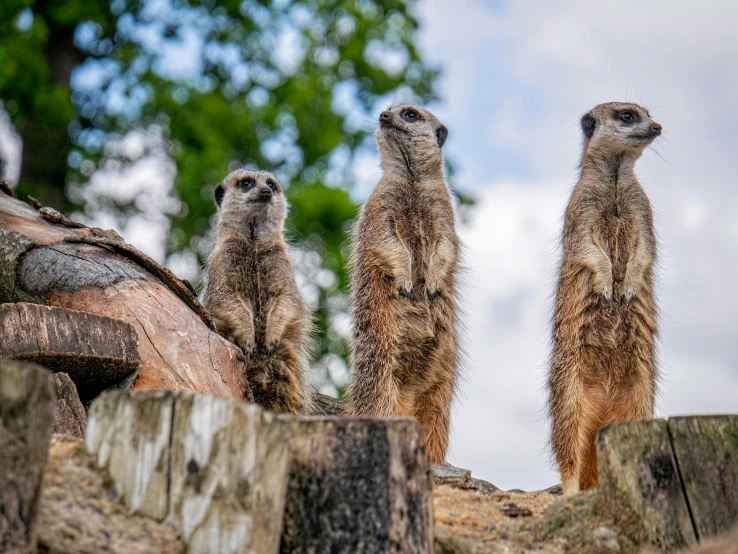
[(603, 287), (627, 292), (406, 290), (432, 290)]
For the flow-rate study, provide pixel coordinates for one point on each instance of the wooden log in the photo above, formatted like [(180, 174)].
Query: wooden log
[(215, 468), (42, 260), (129, 434), (26, 421), (640, 485), (80, 512), (96, 352), (69, 414), (706, 449), (357, 485)]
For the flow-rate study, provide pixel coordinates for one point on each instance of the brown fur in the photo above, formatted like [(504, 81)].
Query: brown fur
[(403, 282), (603, 366), (251, 291)]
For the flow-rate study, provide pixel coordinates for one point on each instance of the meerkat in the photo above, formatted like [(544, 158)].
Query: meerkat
[(603, 364), (403, 282), (251, 291)]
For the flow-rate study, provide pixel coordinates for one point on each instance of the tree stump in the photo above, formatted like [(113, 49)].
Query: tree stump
[(69, 414), (26, 421), (214, 467), (228, 475), (706, 449), (129, 434), (357, 485), (96, 352), (640, 485)]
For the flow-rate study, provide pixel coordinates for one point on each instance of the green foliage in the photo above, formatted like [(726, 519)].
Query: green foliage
[(256, 84)]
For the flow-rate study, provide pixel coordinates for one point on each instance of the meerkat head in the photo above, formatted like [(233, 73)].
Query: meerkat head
[(410, 137), (619, 125), (248, 200)]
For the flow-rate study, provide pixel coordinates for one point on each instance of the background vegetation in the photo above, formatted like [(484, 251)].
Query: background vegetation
[(202, 87)]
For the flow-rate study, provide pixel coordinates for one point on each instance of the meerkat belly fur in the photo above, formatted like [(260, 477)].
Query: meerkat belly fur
[(603, 364), (252, 294), (403, 282)]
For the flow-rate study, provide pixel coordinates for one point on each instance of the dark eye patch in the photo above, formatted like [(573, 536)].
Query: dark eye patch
[(628, 116), (246, 184), (410, 115), (271, 184)]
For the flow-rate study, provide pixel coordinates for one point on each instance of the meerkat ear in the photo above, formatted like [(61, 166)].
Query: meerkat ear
[(588, 125), (441, 135), (219, 193)]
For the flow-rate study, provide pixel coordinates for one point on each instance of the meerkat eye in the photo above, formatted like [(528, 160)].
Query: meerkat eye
[(626, 116), (246, 184), (271, 184), (410, 115)]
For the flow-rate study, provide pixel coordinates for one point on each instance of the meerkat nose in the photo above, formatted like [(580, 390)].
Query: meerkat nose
[(265, 193), (384, 116), (656, 128)]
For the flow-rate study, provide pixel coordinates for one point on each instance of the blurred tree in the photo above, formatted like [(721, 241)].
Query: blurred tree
[(95, 86)]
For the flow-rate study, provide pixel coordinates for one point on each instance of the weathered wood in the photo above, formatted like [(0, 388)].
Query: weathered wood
[(640, 485), (26, 421), (69, 414), (216, 468), (80, 512), (96, 352), (42, 262), (228, 475), (129, 434), (357, 485), (706, 449)]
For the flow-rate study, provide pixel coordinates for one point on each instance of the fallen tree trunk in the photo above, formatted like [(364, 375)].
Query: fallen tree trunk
[(47, 259)]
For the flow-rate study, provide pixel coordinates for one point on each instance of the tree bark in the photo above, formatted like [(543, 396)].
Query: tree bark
[(640, 485), (357, 485), (706, 449), (26, 422), (69, 414), (44, 260)]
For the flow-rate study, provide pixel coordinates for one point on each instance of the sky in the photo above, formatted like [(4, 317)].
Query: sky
[(516, 78)]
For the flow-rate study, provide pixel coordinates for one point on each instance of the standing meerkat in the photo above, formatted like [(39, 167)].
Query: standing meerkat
[(251, 291), (603, 365), (403, 282)]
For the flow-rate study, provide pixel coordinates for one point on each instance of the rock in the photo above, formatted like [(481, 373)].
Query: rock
[(460, 478), (69, 414), (80, 512), (356, 485), (26, 422), (606, 540)]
